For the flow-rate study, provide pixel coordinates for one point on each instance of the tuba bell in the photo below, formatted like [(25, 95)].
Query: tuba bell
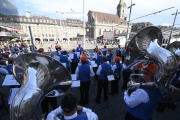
[(146, 46), (38, 75)]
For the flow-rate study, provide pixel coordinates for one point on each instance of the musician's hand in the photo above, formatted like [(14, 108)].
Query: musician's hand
[(79, 108), (131, 90)]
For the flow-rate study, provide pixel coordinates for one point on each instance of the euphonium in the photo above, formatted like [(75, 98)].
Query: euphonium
[(145, 46), (38, 75)]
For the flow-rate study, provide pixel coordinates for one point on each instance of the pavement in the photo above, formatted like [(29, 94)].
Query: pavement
[(113, 109)]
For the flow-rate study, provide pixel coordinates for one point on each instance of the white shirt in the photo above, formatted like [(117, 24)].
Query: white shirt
[(137, 97), (90, 115)]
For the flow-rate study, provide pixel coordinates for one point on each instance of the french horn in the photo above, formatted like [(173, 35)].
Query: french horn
[(146, 46), (38, 75)]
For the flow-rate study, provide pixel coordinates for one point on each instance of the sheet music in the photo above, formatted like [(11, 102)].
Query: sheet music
[(78, 53), (71, 56), (94, 65), (93, 62), (9, 80), (64, 64), (73, 77), (75, 83), (13, 93), (94, 55), (110, 77)]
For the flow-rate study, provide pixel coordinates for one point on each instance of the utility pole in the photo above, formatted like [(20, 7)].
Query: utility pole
[(172, 26), (127, 36)]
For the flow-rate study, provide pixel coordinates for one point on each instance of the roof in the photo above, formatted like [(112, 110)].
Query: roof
[(106, 17)]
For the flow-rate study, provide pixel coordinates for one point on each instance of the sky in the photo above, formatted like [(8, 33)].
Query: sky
[(63, 9)]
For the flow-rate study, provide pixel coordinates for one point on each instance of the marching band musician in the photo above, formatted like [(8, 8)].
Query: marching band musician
[(126, 74), (141, 101), (109, 55), (104, 50), (79, 49), (117, 67), (65, 59), (21, 50), (102, 79), (70, 110), (99, 58), (74, 62), (40, 51), (58, 49), (83, 73)]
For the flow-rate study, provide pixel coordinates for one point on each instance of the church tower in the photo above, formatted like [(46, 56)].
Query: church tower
[(121, 9)]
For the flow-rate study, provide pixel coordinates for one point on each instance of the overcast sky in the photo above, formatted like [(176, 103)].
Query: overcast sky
[(74, 9)]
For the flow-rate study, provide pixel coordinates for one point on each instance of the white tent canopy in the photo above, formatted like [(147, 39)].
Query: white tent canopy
[(122, 41)]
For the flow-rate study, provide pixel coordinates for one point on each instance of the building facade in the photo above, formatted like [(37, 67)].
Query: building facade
[(48, 29), (98, 22)]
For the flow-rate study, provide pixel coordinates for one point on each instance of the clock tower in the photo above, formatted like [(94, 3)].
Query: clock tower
[(121, 9)]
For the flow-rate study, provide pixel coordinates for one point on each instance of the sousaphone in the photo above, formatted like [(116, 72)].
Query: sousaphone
[(38, 75), (146, 46)]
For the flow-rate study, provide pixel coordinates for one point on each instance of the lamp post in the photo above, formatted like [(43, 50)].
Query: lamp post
[(127, 36), (83, 28), (28, 14), (60, 26)]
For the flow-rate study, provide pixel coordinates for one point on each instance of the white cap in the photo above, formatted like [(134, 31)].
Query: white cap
[(177, 52)]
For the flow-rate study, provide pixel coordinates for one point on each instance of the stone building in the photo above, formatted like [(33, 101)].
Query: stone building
[(48, 29), (98, 22)]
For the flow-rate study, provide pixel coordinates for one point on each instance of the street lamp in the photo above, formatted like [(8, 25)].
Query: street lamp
[(60, 26), (127, 36), (83, 27), (28, 14)]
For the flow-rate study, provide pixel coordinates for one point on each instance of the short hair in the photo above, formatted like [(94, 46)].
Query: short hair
[(104, 58), (69, 102), (64, 52)]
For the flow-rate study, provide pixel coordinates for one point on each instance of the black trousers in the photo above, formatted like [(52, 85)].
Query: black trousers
[(73, 67), (115, 86), (84, 92), (126, 76), (45, 104), (102, 84)]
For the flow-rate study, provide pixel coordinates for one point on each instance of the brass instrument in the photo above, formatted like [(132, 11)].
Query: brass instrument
[(146, 46), (38, 75)]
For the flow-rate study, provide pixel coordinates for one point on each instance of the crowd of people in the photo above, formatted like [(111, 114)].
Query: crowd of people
[(106, 63)]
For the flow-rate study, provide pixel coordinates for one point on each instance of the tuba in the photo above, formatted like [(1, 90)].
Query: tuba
[(173, 46), (146, 46), (175, 90), (38, 75)]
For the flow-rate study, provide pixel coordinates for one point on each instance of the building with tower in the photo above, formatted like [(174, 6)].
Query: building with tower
[(98, 22)]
